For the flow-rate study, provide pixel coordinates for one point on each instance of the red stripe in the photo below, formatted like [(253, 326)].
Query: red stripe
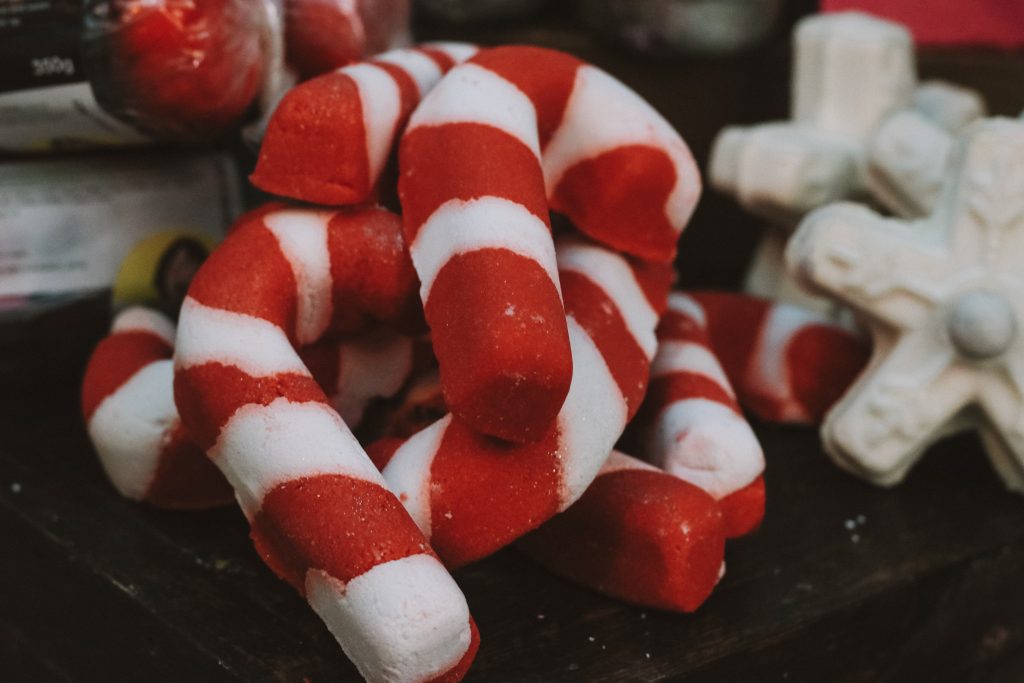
[(619, 199), (743, 510), (315, 145), (116, 360), (185, 478), (821, 363), (734, 324), (678, 326), (248, 274), (373, 279), (679, 386), (500, 336), (443, 61), (208, 395), (465, 161), (655, 279), (484, 493), (546, 76), (323, 360), (599, 316), (337, 524), (637, 535)]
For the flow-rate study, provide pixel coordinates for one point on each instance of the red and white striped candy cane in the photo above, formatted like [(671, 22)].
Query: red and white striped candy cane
[(693, 425), (321, 515), (786, 363), (637, 534), (503, 139), (471, 494), (330, 138), (128, 404)]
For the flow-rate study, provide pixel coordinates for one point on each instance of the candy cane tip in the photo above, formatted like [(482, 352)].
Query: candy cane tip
[(743, 510), (643, 510)]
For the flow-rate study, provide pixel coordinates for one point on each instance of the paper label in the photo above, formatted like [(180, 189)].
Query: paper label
[(59, 117), (66, 226)]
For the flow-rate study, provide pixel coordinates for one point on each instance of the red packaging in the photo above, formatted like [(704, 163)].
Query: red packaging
[(948, 22), (182, 69)]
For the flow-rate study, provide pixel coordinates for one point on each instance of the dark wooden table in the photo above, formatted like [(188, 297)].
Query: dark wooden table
[(843, 582)]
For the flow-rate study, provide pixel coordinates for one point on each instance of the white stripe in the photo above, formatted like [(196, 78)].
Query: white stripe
[(473, 94), (129, 428), (381, 102), (302, 237), (459, 52), (686, 356), (421, 68), (688, 306), (139, 319), (769, 370), (592, 417), (707, 444), (404, 621), (612, 273), (620, 462), (603, 114), (262, 447), (408, 472), (211, 335), (373, 366), (459, 226)]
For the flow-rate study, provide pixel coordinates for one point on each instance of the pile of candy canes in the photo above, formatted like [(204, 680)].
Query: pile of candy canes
[(542, 346)]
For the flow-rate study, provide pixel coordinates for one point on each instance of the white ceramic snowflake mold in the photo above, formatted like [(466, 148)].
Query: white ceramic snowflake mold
[(851, 72), (908, 155), (943, 298)]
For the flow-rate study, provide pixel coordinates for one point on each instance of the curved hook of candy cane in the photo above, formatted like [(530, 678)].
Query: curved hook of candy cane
[(472, 494), (691, 425), (329, 139), (787, 364), (504, 138), (128, 404), (657, 539), (637, 533), (321, 515)]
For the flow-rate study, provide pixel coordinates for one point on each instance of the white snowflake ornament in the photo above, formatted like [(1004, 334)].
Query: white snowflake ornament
[(943, 298), (852, 73)]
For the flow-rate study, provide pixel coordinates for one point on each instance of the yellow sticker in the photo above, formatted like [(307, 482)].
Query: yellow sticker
[(158, 270)]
